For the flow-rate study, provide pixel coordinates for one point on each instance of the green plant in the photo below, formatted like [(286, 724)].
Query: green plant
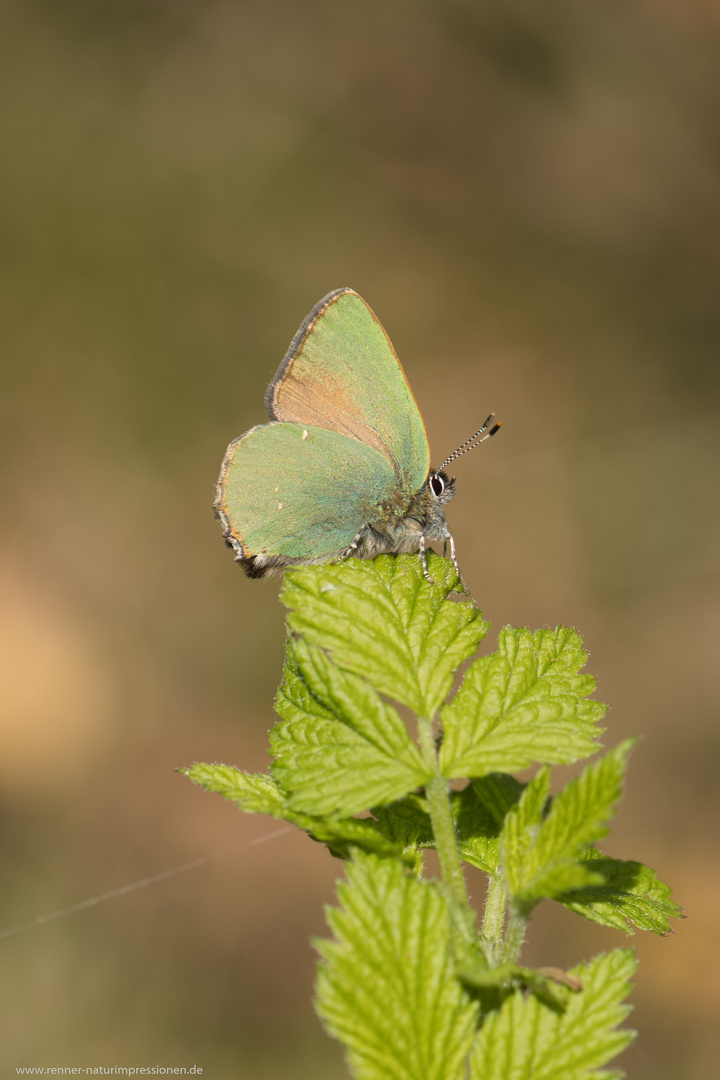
[(408, 982)]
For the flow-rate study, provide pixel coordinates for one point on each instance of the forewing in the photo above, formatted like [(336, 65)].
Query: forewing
[(300, 491), (341, 373)]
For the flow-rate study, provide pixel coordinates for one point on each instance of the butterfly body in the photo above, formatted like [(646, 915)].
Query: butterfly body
[(401, 527), (342, 468)]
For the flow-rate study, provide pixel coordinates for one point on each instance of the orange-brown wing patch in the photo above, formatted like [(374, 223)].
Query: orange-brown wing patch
[(341, 373)]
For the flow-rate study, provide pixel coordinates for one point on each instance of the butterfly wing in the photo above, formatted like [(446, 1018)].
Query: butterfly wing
[(341, 373), (292, 491)]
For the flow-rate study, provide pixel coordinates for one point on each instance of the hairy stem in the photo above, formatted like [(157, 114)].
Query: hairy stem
[(514, 936), (494, 917), (443, 827)]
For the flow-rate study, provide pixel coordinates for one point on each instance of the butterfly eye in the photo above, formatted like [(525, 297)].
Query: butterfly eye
[(437, 485)]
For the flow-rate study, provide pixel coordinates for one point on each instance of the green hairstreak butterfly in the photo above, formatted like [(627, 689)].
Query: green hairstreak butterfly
[(343, 467)]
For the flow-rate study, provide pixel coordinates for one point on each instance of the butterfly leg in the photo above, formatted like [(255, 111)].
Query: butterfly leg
[(352, 548), (453, 556), (423, 559)]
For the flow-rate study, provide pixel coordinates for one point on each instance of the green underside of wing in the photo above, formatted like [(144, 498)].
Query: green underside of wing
[(302, 497), (350, 379)]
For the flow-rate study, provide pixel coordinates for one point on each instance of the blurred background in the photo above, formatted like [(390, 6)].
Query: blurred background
[(528, 197)]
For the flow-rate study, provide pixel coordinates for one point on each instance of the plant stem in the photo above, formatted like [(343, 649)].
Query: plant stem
[(438, 797), (494, 917), (514, 936)]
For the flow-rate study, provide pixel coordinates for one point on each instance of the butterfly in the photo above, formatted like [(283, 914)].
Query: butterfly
[(343, 467)]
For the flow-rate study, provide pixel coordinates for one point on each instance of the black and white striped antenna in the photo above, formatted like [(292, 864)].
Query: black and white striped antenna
[(470, 443)]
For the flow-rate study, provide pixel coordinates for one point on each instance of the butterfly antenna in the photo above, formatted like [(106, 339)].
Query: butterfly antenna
[(470, 443)]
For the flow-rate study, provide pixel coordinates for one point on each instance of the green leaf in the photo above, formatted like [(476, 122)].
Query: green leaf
[(484, 977), (540, 856), (520, 831), (341, 748), (382, 620), (523, 704), (342, 835), (257, 793), (498, 793), (479, 811), (527, 1039), (386, 986), (631, 895), (406, 823)]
